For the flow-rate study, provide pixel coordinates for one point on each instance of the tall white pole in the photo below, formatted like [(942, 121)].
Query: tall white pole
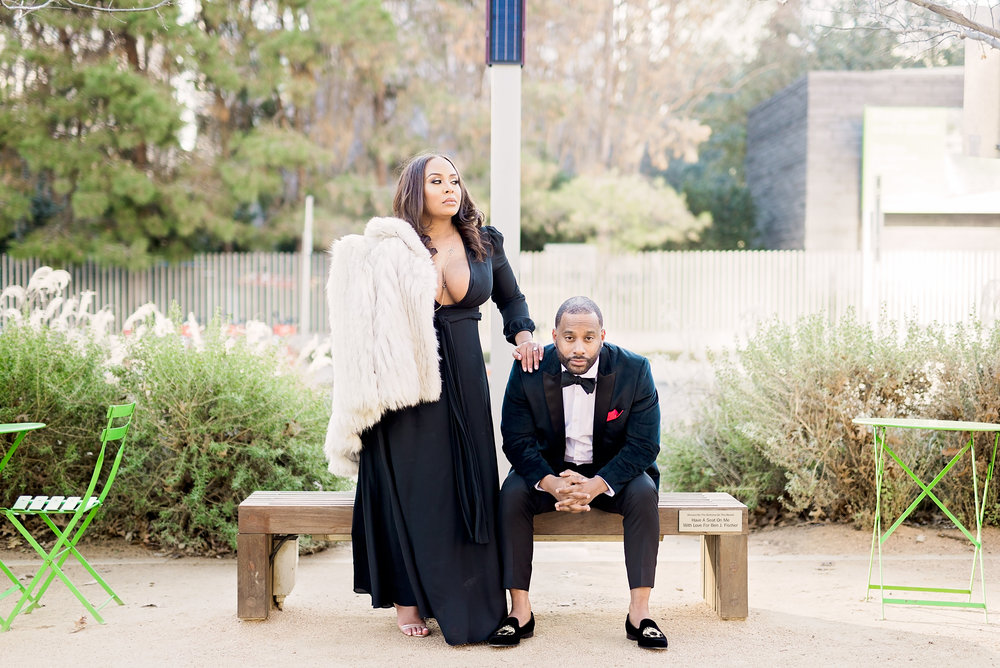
[(981, 106), (305, 269), (505, 213)]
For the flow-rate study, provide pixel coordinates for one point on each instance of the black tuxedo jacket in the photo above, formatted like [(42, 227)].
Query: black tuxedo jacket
[(626, 418)]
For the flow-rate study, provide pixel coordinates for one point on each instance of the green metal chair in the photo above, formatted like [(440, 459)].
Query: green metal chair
[(81, 511), (18, 431)]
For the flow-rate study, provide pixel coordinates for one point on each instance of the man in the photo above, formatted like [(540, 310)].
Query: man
[(583, 431)]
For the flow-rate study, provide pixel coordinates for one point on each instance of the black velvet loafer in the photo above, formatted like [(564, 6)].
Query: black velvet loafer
[(509, 633), (648, 634)]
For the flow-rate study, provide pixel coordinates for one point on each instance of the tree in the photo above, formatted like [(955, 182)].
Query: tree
[(93, 105), (411, 81), (255, 70), (615, 82), (619, 212), (88, 147), (935, 21), (276, 100)]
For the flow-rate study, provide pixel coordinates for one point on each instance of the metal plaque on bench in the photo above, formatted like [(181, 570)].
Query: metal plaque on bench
[(710, 521)]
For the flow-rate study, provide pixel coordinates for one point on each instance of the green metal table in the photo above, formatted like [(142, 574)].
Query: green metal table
[(882, 450), (19, 430)]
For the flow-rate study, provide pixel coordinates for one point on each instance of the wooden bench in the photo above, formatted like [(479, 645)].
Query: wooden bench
[(718, 518)]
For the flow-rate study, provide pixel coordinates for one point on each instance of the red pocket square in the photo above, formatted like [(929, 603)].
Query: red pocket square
[(613, 415)]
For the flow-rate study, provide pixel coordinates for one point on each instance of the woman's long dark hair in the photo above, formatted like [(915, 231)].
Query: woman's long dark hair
[(409, 205)]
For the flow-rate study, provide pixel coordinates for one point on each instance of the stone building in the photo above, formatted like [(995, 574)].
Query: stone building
[(837, 148)]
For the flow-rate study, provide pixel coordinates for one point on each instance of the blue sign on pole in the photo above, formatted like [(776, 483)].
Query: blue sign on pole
[(505, 32)]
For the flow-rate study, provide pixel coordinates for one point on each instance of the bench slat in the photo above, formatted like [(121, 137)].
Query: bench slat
[(331, 513)]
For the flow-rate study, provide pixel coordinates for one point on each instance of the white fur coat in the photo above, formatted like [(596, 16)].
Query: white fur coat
[(380, 294)]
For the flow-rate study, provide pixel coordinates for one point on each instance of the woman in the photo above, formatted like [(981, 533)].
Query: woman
[(411, 402)]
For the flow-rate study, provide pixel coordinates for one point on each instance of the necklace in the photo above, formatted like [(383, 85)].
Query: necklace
[(443, 272), (448, 250)]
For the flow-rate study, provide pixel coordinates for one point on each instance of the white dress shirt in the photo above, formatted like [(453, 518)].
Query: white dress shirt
[(578, 419)]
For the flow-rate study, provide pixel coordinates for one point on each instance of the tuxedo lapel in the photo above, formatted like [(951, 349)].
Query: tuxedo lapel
[(602, 398), (554, 401)]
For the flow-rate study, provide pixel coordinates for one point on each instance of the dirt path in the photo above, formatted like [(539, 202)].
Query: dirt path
[(807, 608)]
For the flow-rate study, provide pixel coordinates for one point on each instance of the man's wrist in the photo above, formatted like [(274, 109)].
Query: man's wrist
[(607, 488), (546, 482)]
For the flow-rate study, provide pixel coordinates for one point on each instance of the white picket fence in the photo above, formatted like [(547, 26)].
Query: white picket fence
[(657, 301), (674, 301), (237, 286)]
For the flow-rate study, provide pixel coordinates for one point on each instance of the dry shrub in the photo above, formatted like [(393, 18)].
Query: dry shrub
[(778, 428)]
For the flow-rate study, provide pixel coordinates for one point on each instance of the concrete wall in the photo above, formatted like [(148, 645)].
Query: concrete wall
[(803, 162), (837, 101), (939, 232)]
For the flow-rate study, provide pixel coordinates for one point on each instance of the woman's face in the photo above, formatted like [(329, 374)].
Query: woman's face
[(442, 191)]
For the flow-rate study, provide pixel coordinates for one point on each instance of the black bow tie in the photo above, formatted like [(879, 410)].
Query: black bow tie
[(587, 384)]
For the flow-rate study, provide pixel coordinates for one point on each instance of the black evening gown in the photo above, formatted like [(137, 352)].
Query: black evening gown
[(425, 513)]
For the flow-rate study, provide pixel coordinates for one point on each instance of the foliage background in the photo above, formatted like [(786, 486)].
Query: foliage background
[(140, 137)]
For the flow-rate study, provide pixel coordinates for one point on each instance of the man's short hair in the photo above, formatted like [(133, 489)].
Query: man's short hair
[(578, 305)]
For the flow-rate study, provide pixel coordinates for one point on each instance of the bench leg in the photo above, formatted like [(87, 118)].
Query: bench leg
[(724, 574), (253, 581)]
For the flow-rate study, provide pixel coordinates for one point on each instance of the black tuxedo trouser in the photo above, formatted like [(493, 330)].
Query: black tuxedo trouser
[(637, 503)]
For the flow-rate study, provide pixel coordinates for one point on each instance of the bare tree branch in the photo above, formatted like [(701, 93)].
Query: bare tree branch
[(957, 17), (27, 7), (986, 39), (96, 8), (22, 7)]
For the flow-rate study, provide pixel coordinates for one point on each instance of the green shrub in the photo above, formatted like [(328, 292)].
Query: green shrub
[(214, 425), (57, 378), (778, 428)]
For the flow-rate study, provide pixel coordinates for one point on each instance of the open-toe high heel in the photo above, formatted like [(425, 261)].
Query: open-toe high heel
[(406, 628)]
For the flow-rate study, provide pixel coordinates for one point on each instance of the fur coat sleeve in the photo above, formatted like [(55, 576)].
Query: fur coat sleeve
[(380, 294)]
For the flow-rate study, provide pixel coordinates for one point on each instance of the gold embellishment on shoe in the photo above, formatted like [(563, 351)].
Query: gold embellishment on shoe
[(651, 632), (506, 630)]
